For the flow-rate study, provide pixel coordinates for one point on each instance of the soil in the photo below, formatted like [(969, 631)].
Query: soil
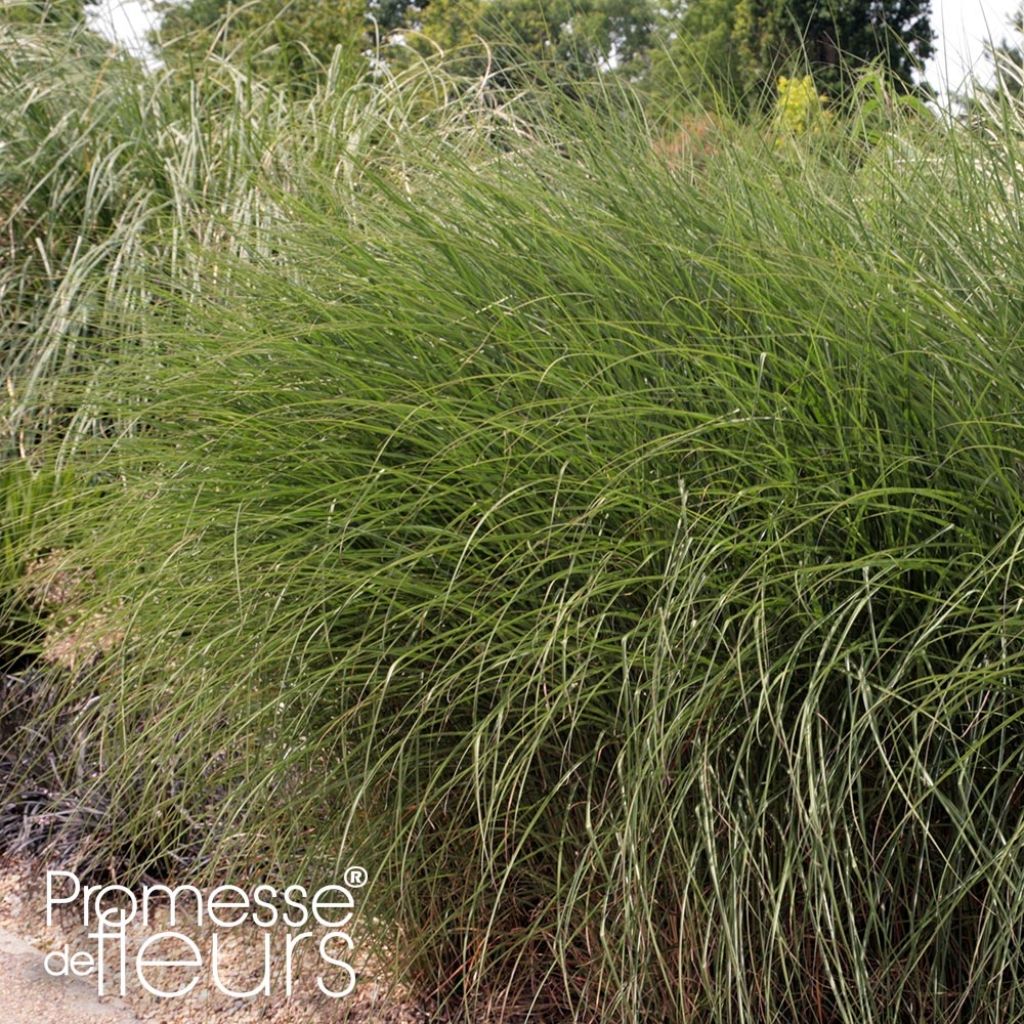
[(28, 995)]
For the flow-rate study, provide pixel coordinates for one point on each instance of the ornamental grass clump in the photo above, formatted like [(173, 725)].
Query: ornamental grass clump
[(626, 569), (112, 175)]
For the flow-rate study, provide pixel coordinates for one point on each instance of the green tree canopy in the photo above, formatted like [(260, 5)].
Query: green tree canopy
[(49, 11), (738, 48), (289, 42), (577, 36)]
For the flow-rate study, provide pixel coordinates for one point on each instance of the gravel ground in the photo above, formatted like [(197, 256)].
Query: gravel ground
[(28, 995)]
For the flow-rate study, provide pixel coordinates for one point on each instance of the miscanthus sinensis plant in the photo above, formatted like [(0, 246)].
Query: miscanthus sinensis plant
[(624, 565), (113, 175), (116, 181)]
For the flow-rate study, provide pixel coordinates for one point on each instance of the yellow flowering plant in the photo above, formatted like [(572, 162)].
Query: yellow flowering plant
[(799, 107)]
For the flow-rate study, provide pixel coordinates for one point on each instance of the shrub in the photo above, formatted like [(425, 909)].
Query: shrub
[(799, 107)]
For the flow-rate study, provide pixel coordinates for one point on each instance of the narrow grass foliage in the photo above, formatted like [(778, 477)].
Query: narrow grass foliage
[(113, 177), (624, 564)]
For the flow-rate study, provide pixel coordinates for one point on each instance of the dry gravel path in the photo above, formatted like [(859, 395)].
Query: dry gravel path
[(28, 995)]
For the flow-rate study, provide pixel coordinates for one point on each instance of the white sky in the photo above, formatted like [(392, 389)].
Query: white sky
[(962, 27), (127, 21)]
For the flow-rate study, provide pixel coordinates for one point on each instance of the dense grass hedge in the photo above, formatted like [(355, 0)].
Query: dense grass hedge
[(621, 560), (625, 564)]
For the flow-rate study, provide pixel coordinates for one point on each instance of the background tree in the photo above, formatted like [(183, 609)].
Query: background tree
[(698, 56), (48, 11), (288, 42), (736, 49), (835, 36), (574, 37)]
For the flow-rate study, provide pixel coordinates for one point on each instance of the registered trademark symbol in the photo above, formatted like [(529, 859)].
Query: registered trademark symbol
[(355, 877)]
